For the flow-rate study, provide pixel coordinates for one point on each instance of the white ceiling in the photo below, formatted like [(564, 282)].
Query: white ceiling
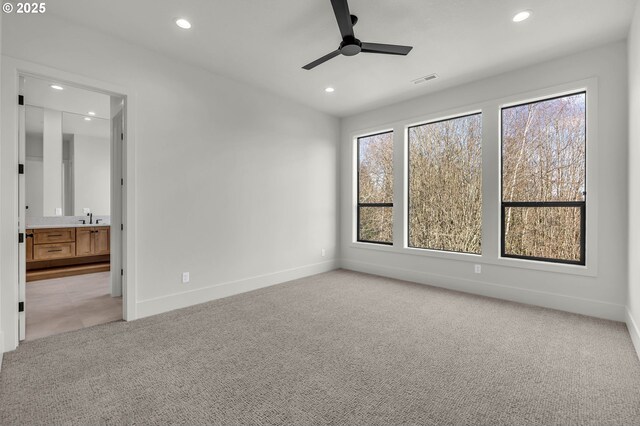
[(265, 43)]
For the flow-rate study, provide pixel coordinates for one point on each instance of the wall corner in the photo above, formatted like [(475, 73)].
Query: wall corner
[(634, 331)]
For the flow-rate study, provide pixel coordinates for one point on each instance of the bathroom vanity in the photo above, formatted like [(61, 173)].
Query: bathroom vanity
[(61, 250)]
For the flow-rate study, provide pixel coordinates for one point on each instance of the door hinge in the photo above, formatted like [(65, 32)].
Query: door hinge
[(121, 181), (20, 306), (122, 226), (121, 136), (121, 271), (20, 237), (20, 169), (20, 100)]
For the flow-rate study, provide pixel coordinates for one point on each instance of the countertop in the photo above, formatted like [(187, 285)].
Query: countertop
[(68, 225)]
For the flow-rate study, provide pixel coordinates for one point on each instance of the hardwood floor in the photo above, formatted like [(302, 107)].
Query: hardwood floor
[(71, 303)]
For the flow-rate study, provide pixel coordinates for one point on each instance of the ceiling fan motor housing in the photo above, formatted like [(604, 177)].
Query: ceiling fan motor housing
[(350, 46)]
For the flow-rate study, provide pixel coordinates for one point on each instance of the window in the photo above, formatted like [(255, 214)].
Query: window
[(544, 180), (445, 185), (375, 188)]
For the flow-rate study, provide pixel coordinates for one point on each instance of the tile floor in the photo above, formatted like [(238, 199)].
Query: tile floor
[(71, 303)]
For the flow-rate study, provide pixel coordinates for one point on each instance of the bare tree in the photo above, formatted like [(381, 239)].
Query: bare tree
[(543, 160), (375, 184), (445, 185)]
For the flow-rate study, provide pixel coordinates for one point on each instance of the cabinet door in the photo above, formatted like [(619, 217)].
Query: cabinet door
[(29, 247), (101, 243), (84, 241)]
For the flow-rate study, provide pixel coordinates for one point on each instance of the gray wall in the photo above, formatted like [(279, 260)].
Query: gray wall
[(232, 182), (2, 337), (633, 320), (603, 294)]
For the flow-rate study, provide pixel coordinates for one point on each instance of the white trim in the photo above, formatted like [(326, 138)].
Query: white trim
[(590, 307), (185, 299), (634, 331), (11, 69), (491, 237), (478, 259)]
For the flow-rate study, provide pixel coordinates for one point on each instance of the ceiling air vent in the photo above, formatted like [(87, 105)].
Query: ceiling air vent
[(425, 78)]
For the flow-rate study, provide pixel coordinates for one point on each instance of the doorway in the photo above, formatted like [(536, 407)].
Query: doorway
[(70, 204)]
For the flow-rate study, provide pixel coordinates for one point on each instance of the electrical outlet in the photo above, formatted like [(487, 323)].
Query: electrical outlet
[(323, 252), (185, 277), (58, 211), (478, 269)]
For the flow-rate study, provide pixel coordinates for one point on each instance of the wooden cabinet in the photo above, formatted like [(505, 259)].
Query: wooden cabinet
[(29, 245), (61, 252), (50, 236), (83, 241), (101, 241), (92, 241), (53, 251), (61, 243)]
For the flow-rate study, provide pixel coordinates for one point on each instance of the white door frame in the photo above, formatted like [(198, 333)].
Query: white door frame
[(9, 249), (117, 194), (22, 260)]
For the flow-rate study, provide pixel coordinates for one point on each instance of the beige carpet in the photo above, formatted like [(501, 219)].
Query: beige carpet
[(337, 348)]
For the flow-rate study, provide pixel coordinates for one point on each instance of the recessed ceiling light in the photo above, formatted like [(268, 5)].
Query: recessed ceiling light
[(87, 119), (92, 113), (522, 16), (183, 23), (329, 90), (56, 87)]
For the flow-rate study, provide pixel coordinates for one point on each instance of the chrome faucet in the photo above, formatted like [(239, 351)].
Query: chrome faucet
[(90, 218)]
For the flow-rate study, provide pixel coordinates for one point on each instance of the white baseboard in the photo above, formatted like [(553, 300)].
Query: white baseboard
[(162, 304), (576, 305), (634, 331)]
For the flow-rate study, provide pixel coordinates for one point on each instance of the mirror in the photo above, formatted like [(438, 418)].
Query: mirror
[(68, 163)]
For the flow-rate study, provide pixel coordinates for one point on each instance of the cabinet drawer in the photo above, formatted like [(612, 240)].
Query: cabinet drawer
[(53, 251), (58, 235)]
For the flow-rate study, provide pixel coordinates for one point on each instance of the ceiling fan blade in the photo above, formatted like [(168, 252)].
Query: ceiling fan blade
[(341, 10), (325, 58), (388, 49)]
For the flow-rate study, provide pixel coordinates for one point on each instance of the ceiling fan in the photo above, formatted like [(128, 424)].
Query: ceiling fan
[(350, 45)]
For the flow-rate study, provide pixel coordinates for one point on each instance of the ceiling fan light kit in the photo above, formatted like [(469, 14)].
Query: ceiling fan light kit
[(350, 45)]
